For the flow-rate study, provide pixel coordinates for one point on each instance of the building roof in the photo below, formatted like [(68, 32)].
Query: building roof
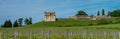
[(50, 13)]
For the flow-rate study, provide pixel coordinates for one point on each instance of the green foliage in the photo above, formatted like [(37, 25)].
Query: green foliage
[(103, 12), (98, 14), (15, 24), (28, 21), (115, 13), (81, 13), (7, 23), (20, 21)]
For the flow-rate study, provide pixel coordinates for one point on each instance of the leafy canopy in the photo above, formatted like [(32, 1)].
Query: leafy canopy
[(81, 13), (115, 13)]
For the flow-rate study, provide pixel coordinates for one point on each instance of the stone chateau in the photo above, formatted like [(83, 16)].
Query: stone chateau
[(50, 16)]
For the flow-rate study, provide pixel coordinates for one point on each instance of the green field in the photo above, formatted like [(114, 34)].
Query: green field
[(81, 29), (110, 27), (25, 32), (111, 24)]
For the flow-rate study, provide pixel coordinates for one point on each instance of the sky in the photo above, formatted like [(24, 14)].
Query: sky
[(15, 9)]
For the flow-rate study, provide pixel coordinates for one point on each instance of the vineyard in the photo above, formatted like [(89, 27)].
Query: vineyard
[(59, 35), (66, 29)]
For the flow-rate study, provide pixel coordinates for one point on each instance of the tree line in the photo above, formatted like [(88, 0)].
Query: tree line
[(103, 12), (81, 12), (17, 23), (114, 13)]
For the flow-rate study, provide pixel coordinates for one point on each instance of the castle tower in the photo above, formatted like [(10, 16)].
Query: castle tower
[(50, 16)]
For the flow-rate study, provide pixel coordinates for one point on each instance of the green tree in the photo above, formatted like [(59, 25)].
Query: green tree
[(10, 23), (7, 23), (20, 21), (115, 13), (30, 19), (103, 12), (81, 13), (27, 21), (15, 24), (98, 14)]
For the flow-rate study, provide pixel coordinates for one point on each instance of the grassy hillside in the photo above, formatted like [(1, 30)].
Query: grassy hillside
[(72, 25), (110, 27), (76, 23)]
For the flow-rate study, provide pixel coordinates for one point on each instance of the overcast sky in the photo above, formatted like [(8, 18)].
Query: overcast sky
[(14, 9)]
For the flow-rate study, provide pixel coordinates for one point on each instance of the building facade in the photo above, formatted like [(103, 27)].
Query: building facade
[(49, 16)]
